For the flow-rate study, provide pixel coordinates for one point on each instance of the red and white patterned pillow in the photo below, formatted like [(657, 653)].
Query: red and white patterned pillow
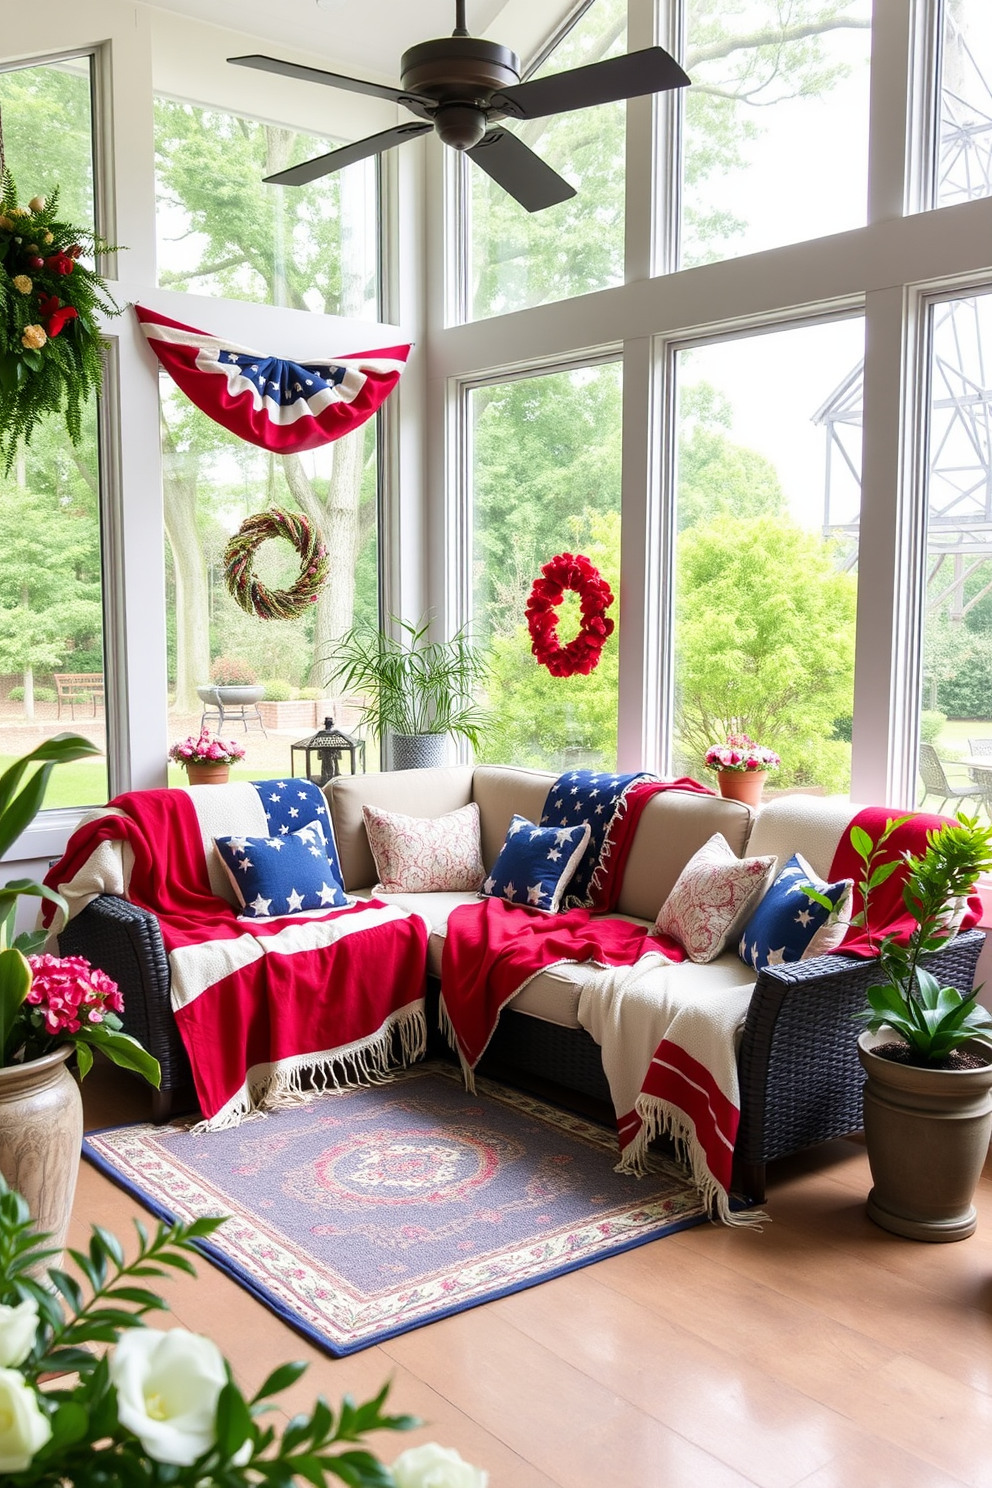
[(712, 898), (426, 855)]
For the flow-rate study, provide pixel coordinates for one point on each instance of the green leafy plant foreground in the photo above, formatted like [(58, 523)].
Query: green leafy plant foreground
[(111, 1419), (51, 350), (933, 1021)]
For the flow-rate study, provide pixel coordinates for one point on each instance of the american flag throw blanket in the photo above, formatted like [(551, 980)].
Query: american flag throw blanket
[(258, 1002)]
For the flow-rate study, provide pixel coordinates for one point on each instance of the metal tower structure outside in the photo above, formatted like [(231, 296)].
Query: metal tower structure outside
[(959, 529)]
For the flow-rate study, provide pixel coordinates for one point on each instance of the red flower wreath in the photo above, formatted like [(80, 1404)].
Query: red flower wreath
[(595, 597)]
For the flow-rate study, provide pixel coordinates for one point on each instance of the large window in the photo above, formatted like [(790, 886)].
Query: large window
[(51, 604), (956, 718), (776, 123), (546, 480), (212, 482), (221, 231), (519, 258), (964, 147), (768, 501)]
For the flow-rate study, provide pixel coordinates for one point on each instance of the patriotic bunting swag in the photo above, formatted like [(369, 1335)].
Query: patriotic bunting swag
[(280, 405)]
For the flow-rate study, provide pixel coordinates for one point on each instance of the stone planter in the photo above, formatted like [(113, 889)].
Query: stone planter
[(927, 1132), (230, 697), (41, 1132), (418, 751), (742, 785)]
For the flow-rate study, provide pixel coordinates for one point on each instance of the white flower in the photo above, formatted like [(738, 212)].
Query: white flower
[(24, 1429), (18, 1326), (431, 1466), (167, 1388)]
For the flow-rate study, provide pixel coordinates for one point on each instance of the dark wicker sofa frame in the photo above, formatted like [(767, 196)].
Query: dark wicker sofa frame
[(800, 1078)]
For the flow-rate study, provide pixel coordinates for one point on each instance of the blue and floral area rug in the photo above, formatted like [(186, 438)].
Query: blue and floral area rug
[(371, 1211)]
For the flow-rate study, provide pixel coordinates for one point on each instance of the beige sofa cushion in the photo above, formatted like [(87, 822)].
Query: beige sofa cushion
[(811, 825), (673, 826), (410, 792), (501, 790)]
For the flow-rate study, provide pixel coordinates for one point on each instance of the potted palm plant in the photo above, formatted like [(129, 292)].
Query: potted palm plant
[(926, 1049), (416, 692)]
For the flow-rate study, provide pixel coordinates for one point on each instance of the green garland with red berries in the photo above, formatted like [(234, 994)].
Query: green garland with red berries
[(51, 350)]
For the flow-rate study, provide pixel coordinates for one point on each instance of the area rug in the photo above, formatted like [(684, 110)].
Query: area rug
[(371, 1211)]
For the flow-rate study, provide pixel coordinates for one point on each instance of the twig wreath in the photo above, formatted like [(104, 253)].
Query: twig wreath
[(250, 593), (595, 597)]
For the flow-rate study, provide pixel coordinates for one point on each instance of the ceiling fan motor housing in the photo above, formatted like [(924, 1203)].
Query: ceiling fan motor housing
[(462, 73)]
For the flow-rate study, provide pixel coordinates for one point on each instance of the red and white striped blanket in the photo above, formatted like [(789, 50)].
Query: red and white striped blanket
[(257, 1002), (667, 1031)]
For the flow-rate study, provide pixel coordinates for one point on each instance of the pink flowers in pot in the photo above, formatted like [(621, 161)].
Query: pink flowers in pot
[(68, 992), (47, 1001), (741, 753), (206, 750)]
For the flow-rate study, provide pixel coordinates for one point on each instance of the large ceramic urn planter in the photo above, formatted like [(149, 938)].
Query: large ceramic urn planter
[(927, 1132), (742, 785), (41, 1133)]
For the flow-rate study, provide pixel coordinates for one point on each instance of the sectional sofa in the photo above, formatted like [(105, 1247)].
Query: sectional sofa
[(800, 1080)]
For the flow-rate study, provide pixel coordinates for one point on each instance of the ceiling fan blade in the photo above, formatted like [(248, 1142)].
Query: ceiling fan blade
[(335, 160), (521, 173), (330, 79), (631, 76)]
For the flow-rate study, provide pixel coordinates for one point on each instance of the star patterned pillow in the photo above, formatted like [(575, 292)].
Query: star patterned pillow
[(535, 864), (282, 875), (790, 925)]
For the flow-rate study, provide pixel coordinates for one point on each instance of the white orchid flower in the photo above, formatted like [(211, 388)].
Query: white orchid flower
[(431, 1466), (167, 1387), (24, 1428), (18, 1327)]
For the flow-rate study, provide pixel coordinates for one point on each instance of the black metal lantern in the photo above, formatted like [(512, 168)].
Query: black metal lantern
[(324, 752)]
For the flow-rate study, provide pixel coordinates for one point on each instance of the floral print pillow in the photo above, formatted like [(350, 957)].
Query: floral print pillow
[(426, 855), (712, 897)]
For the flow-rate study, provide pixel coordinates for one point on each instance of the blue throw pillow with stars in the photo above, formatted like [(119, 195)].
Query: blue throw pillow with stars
[(535, 864), (789, 925), (283, 875)]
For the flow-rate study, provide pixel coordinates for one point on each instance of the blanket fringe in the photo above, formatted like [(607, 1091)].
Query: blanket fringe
[(446, 1026), (295, 1082), (659, 1118)]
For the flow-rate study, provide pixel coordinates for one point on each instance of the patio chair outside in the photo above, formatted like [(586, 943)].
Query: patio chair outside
[(936, 783), (979, 748)]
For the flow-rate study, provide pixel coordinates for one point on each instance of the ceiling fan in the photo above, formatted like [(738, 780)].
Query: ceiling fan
[(459, 85)]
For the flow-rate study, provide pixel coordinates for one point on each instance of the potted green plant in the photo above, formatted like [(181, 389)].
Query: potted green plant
[(50, 1007), (90, 1394), (926, 1049), (416, 692)]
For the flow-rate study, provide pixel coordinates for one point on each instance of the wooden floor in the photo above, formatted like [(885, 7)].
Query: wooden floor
[(820, 1351)]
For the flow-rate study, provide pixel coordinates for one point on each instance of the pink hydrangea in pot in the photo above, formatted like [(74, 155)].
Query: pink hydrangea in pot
[(49, 1008), (741, 766), (207, 760)]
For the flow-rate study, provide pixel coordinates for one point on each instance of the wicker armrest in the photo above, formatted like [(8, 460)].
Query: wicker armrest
[(125, 941), (800, 1076)]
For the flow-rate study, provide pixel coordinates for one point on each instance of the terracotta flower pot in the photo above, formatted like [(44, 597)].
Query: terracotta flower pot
[(742, 785), (41, 1132), (927, 1133), (207, 774)]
